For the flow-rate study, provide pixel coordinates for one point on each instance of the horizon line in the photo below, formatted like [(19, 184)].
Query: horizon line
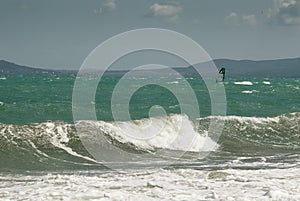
[(76, 69)]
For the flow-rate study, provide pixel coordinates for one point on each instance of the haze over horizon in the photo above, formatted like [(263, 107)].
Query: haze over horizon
[(60, 34)]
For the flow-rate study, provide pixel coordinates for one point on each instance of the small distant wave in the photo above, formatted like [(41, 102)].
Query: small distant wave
[(249, 91), (173, 82), (244, 83), (174, 106), (267, 83), (137, 78)]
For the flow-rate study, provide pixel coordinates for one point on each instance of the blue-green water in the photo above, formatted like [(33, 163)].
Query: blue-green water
[(38, 132), (38, 99)]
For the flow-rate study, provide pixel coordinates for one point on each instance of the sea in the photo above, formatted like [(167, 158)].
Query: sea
[(45, 156)]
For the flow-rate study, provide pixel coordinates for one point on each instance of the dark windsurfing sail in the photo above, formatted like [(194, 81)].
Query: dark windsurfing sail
[(221, 75)]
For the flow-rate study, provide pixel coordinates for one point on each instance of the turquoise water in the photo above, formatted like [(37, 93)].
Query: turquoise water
[(38, 132), (38, 99)]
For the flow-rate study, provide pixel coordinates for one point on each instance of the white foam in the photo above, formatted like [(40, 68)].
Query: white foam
[(277, 194), (158, 184), (244, 83), (267, 83), (247, 92), (59, 136), (247, 119), (174, 132), (173, 82)]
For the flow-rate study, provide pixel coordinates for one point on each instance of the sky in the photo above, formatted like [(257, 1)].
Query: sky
[(59, 34)]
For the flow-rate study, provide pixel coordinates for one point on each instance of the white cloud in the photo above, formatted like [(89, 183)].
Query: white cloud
[(106, 5), (232, 19), (249, 20), (232, 15), (165, 10), (285, 12), (109, 4), (169, 12), (237, 20), (98, 11)]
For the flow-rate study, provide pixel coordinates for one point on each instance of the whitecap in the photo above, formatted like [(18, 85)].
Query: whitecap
[(174, 82), (244, 83), (247, 92)]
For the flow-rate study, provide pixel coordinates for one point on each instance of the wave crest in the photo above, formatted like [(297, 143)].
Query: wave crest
[(282, 131)]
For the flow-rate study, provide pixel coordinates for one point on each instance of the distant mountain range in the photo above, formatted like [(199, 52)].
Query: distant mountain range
[(266, 68), (8, 68), (234, 68)]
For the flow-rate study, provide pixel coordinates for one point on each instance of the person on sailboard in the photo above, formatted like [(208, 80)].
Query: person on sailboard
[(222, 72)]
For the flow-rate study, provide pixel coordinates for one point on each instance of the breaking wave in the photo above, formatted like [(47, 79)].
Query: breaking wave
[(280, 132), (56, 145)]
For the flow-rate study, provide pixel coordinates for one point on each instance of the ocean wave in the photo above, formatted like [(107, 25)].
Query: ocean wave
[(58, 144), (174, 132), (173, 82), (249, 91), (244, 83), (279, 132)]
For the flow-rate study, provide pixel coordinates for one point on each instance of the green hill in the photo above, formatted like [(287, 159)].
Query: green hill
[(281, 68)]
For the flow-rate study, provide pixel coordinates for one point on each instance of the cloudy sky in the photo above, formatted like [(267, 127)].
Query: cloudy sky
[(61, 33)]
